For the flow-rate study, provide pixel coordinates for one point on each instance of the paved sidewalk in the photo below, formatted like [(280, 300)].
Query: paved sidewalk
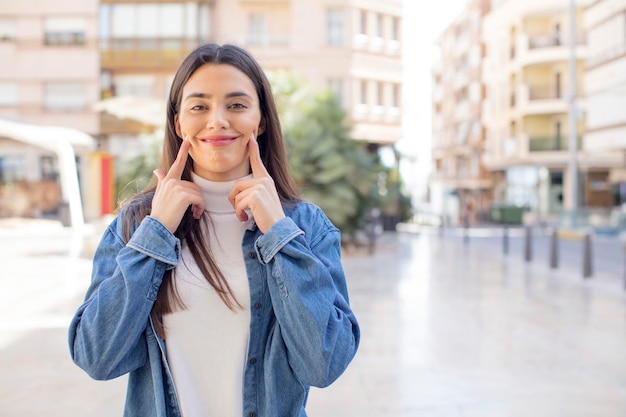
[(449, 330)]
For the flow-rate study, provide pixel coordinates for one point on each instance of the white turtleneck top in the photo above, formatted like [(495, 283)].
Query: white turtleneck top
[(206, 341)]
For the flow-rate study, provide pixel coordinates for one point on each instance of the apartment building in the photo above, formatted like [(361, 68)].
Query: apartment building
[(459, 181), (351, 47), (526, 109), (68, 58), (49, 75), (604, 22)]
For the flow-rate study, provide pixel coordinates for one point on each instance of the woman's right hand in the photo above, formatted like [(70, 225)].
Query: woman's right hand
[(174, 195)]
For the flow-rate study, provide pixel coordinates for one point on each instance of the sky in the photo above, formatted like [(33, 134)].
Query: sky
[(423, 22)]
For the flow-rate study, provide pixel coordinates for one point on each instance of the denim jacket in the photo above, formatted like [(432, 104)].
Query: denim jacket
[(302, 330)]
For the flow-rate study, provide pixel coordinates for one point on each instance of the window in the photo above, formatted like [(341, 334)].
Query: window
[(152, 21), (380, 94), (8, 94), (257, 30), (12, 168), (8, 31), (64, 31), (64, 97), (334, 27), (363, 22), (134, 85), (380, 25), (395, 96), (363, 92), (395, 29)]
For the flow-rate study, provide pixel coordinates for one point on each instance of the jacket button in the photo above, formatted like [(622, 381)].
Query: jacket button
[(252, 361), (251, 414), (258, 306), (251, 254)]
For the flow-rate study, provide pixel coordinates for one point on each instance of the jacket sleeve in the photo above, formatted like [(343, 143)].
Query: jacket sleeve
[(105, 335), (310, 298)]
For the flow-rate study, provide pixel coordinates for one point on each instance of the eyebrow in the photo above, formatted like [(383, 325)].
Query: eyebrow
[(208, 96)]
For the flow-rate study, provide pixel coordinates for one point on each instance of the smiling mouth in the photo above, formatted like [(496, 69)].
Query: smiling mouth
[(218, 140)]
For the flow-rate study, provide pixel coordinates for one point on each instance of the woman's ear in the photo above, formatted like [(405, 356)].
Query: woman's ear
[(177, 126), (261, 126)]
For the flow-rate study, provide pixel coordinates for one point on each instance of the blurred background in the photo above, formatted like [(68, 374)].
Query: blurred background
[(493, 110), (447, 138)]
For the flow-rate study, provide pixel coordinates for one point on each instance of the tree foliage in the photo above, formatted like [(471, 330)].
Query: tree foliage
[(333, 170)]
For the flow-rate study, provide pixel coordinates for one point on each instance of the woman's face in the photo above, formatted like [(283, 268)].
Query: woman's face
[(218, 113)]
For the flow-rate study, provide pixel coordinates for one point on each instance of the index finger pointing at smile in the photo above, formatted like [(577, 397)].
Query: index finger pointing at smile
[(258, 169), (176, 170)]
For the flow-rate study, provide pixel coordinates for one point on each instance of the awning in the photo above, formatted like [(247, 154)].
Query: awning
[(149, 111), (62, 141)]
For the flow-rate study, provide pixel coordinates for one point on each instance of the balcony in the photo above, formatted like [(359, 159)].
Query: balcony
[(144, 53), (537, 99), (542, 49)]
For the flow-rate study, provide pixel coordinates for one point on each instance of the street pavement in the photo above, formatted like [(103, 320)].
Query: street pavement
[(451, 327)]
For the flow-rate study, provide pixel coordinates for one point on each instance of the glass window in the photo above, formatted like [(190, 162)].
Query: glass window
[(64, 30), (152, 21), (205, 17), (123, 21), (146, 19), (363, 92), (64, 97), (363, 22), (256, 29), (134, 85), (395, 29), (12, 168), (8, 30), (334, 27), (8, 94), (380, 94), (380, 25), (395, 95)]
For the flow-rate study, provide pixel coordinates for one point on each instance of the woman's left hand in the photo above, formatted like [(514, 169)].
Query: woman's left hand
[(257, 193)]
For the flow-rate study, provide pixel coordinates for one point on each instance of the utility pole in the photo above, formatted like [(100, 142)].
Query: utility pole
[(572, 116)]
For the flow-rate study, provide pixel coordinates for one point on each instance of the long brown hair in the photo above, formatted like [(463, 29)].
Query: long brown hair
[(273, 155)]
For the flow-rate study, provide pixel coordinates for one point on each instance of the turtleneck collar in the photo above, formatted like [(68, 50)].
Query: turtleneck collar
[(215, 194)]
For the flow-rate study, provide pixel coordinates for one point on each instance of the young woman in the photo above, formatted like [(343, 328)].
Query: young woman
[(216, 289)]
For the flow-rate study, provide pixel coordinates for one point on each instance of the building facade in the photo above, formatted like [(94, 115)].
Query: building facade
[(105, 67), (350, 47), (49, 75), (526, 113), (459, 184), (604, 22)]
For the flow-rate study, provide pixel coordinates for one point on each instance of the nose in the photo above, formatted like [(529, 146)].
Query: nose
[(217, 119)]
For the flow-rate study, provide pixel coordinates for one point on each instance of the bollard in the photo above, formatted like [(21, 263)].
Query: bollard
[(505, 240), (554, 249), (587, 268), (528, 256)]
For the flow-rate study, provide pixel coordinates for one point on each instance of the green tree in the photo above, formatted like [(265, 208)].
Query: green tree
[(333, 170)]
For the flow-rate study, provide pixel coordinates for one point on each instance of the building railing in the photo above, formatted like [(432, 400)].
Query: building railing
[(551, 143), (544, 92), (551, 41), (145, 52)]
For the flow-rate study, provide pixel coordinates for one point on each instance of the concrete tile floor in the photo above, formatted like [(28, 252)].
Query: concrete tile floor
[(448, 330)]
